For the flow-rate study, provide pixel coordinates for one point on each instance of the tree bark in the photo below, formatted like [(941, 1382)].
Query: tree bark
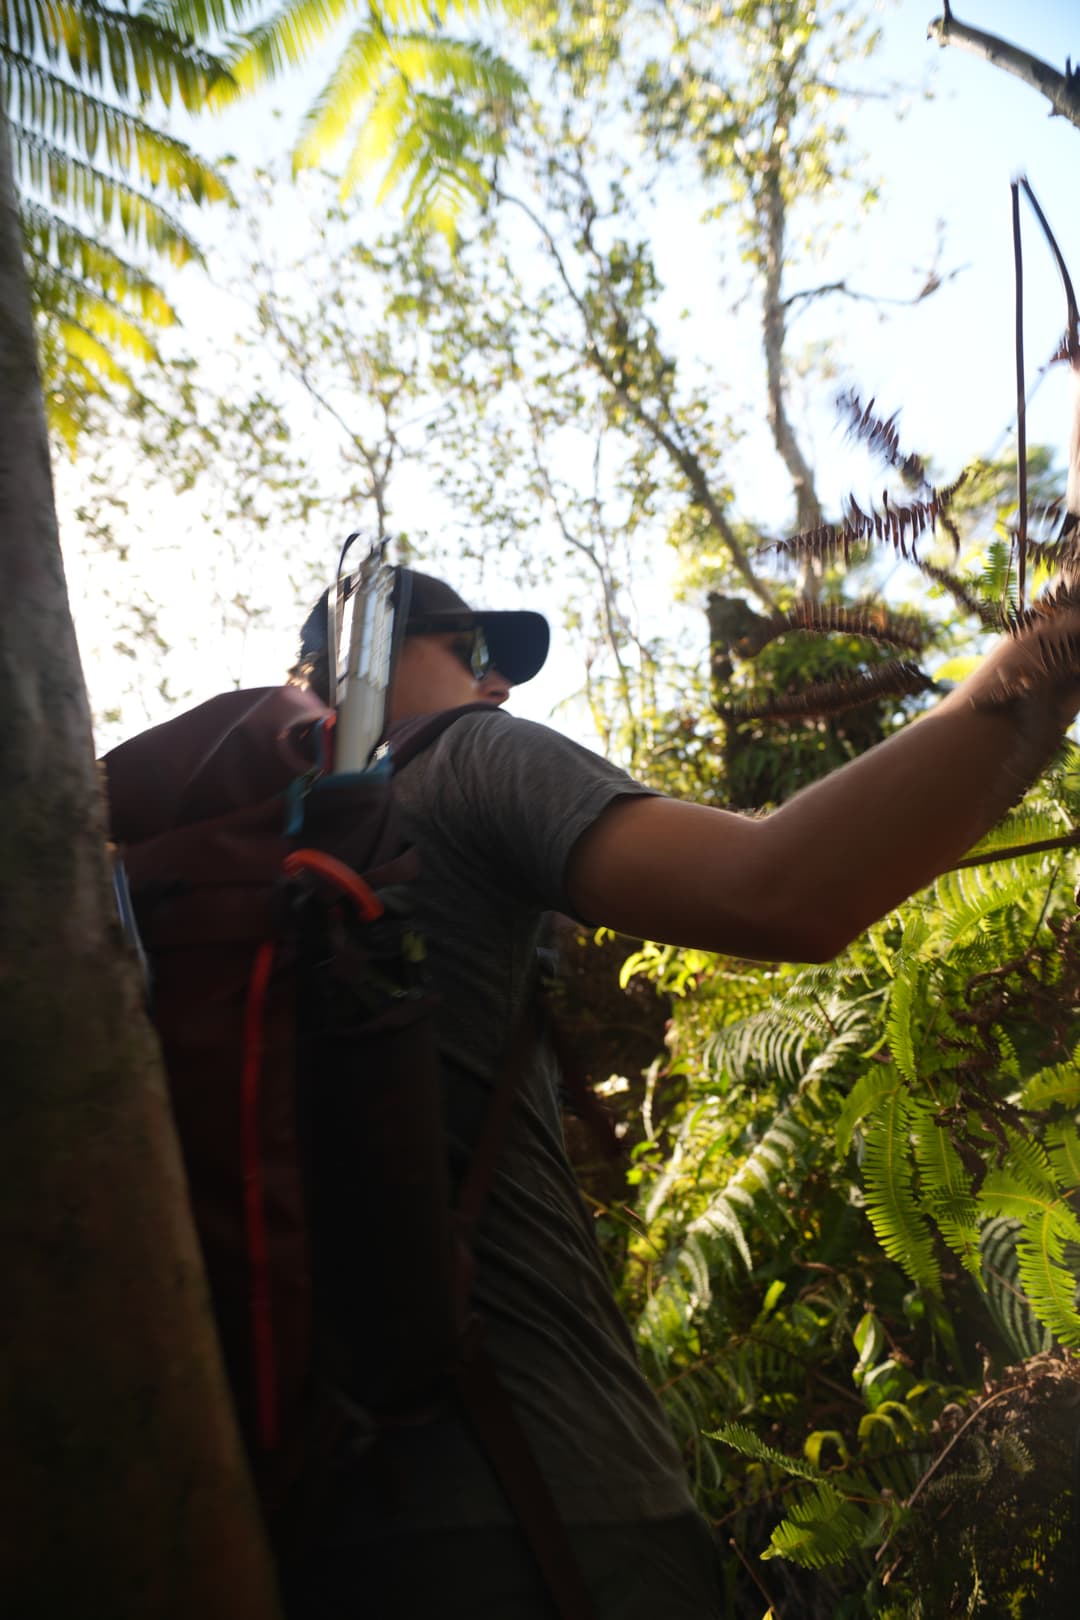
[(123, 1490)]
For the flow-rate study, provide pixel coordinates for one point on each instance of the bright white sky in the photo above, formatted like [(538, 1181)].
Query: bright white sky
[(948, 364)]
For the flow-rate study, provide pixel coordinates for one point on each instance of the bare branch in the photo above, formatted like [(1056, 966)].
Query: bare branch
[(1062, 90), (931, 285)]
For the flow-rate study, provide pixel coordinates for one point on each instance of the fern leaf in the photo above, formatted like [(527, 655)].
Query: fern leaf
[(947, 1189), (1063, 1146), (871, 1088), (745, 1441), (1047, 1282), (970, 899), (891, 1204), (1005, 1296), (720, 1224), (1057, 1084), (822, 1528)]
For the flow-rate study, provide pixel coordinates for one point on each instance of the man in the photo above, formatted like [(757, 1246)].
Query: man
[(511, 821)]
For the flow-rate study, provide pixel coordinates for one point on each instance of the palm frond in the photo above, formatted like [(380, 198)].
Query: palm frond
[(42, 102), (52, 241), (133, 52), (69, 182)]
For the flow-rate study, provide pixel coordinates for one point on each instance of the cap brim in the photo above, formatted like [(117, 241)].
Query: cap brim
[(518, 642)]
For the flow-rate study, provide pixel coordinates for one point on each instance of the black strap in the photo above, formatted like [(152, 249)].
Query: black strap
[(504, 1442), (410, 737), (487, 1405)]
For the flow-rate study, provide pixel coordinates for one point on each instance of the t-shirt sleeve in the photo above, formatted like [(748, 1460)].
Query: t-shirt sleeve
[(515, 797)]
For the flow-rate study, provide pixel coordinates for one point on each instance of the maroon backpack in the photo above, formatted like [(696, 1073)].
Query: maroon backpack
[(287, 987)]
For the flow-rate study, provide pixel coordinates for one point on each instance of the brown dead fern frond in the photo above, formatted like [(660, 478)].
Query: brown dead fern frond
[(898, 526), (1054, 520), (869, 620), (896, 679), (1055, 658), (880, 436)]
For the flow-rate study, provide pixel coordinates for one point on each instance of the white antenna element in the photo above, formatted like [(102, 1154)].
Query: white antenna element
[(363, 679)]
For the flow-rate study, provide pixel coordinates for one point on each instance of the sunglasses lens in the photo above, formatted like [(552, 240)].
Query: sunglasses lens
[(480, 656)]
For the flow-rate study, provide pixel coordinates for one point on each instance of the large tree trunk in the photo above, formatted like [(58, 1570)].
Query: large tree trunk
[(123, 1491)]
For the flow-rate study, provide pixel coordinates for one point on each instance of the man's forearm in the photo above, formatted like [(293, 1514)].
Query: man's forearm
[(802, 882), (865, 838)]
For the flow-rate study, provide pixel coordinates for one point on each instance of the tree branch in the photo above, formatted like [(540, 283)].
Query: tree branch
[(680, 454), (933, 282), (1062, 90)]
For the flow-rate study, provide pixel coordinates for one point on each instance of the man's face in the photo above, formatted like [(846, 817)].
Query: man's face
[(435, 672)]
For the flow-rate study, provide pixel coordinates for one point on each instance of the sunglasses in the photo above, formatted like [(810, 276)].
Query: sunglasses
[(469, 645)]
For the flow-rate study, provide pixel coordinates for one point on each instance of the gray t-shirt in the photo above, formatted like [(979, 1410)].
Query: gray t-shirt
[(494, 807)]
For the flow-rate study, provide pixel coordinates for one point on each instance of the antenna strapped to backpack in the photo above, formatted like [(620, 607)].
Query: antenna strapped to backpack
[(366, 613)]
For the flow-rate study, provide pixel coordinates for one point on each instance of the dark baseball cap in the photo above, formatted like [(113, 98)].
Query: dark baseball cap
[(517, 639)]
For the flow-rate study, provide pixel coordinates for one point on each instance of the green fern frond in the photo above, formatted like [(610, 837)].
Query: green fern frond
[(905, 993), (996, 584), (869, 1090), (780, 1039), (720, 1226), (891, 1203), (947, 1191), (968, 899), (1032, 1189), (1058, 1084), (746, 1442), (1008, 1303), (1047, 1281), (751, 1187), (1028, 1162), (900, 1019), (822, 1528), (1027, 825), (1063, 1146)]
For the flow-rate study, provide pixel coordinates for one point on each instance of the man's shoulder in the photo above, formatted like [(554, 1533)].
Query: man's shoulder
[(493, 728)]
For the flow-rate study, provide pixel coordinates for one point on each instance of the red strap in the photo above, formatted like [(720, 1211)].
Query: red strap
[(262, 1327), (349, 882)]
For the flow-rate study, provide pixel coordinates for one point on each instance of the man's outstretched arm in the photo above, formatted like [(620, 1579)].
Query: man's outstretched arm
[(802, 882)]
